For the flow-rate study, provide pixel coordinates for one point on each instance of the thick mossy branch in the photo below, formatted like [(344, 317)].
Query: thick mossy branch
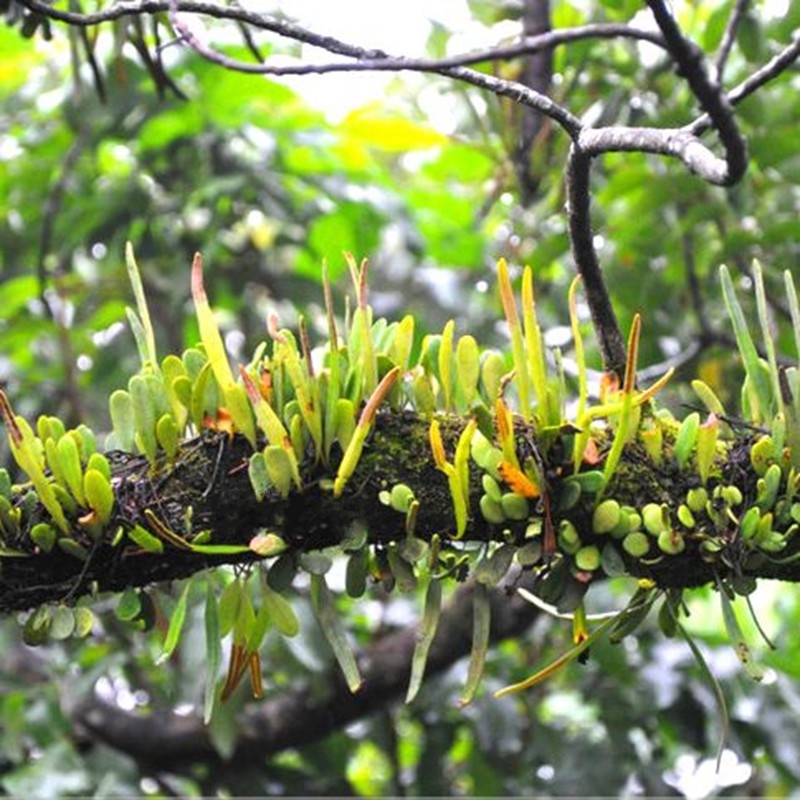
[(413, 467), (208, 485)]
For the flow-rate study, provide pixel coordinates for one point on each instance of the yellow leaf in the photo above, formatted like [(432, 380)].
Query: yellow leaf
[(517, 481), (376, 127), (209, 331)]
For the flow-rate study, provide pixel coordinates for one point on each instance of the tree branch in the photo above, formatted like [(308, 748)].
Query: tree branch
[(289, 30), (774, 68), (209, 482), (690, 62), (604, 320), (672, 142), (729, 37), (537, 72)]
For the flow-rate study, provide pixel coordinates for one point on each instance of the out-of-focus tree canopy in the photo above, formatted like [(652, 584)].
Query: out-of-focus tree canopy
[(115, 132)]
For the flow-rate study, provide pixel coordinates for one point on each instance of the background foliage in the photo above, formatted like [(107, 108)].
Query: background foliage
[(266, 186)]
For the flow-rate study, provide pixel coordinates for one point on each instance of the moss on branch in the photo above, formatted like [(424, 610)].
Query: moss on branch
[(208, 483), (416, 471)]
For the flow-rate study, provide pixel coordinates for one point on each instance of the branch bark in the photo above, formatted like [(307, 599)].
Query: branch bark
[(209, 481), (537, 72)]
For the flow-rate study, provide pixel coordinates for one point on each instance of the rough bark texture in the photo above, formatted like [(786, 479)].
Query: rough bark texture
[(210, 478)]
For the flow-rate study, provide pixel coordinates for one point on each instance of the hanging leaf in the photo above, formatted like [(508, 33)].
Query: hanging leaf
[(175, 625), (331, 624), (481, 626), (736, 636), (213, 651), (427, 630), (280, 610)]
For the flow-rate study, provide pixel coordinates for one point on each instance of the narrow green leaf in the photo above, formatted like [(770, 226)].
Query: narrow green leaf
[(330, 622), (747, 350), (70, 462), (517, 343), (209, 330), (148, 344), (145, 540), (332, 397), (241, 411), (139, 335), (445, 362), (280, 611), (468, 368), (481, 625), (560, 662), (129, 605), (23, 444), (257, 472), (427, 630), (686, 438), (736, 636), (122, 420), (99, 462), (794, 309), (218, 549), (168, 436), (280, 469), (708, 397), (213, 651), (175, 625), (716, 689), (767, 336), (99, 494), (537, 366), (144, 417), (229, 602)]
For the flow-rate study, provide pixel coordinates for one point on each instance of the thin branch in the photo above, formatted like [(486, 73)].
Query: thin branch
[(529, 45), (604, 320), (94, 67), (690, 63), (768, 72), (536, 72), (774, 68), (376, 60), (233, 12), (728, 38), (519, 94), (293, 31)]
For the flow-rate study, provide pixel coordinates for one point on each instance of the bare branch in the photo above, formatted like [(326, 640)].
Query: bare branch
[(298, 33), (280, 27), (774, 68), (604, 320), (529, 45), (729, 37), (675, 142), (690, 62), (536, 72), (375, 60)]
